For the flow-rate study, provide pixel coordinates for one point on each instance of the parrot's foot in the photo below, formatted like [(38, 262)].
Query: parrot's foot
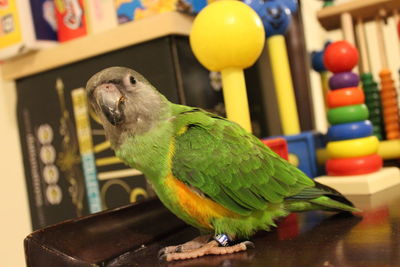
[(188, 246), (195, 248)]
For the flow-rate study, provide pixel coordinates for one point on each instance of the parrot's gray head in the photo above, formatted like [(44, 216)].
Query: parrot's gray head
[(125, 102)]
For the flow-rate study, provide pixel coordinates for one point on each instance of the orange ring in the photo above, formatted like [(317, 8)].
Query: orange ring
[(345, 97)]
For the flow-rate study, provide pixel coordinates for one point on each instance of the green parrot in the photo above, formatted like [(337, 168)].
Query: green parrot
[(207, 170)]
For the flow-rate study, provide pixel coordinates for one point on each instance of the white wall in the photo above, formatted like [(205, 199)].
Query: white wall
[(14, 211)]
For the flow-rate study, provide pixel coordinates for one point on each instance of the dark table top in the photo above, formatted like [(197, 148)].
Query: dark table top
[(371, 238)]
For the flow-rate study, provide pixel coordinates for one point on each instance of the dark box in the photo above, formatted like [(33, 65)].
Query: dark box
[(126, 236)]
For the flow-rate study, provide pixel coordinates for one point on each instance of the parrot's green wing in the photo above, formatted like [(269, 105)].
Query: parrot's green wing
[(231, 166)]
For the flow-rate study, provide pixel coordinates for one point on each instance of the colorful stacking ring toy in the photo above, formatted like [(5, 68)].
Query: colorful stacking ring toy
[(348, 114), (345, 97), (354, 166), (353, 148), (350, 130)]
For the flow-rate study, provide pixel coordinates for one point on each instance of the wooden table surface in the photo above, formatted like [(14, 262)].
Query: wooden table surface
[(307, 239)]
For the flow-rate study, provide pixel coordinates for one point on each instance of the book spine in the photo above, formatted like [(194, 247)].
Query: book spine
[(71, 19), (101, 15), (10, 30), (83, 130)]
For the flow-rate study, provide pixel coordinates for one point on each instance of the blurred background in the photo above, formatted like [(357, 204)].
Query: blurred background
[(15, 218)]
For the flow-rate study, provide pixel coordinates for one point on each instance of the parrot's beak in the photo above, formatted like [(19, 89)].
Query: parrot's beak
[(111, 102)]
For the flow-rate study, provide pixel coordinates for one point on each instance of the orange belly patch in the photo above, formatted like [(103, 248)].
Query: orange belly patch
[(197, 206)]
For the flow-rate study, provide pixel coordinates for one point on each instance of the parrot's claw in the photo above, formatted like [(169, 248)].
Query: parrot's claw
[(167, 250), (249, 244), (210, 248), (161, 253)]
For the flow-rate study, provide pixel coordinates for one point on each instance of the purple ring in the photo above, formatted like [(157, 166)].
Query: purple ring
[(343, 80)]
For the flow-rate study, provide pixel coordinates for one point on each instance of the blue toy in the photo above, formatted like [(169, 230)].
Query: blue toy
[(274, 14), (317, 59), (304, 146)]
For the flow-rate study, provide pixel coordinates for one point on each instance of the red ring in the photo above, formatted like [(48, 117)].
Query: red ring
[(354, 166), (345, 97)]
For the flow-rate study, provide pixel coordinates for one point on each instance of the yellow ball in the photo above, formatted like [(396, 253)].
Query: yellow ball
[(353, 148), (227, 34)]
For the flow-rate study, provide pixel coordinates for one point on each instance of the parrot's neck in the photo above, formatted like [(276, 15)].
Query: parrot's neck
[(149, 152)]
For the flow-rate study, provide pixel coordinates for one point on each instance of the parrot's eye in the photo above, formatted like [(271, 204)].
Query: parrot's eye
[(132, 80)]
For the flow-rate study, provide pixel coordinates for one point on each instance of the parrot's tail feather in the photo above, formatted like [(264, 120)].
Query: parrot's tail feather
[(319, 203), (334, 194), (320, 197), (328, 203)]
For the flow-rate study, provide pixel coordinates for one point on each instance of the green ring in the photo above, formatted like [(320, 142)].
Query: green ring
[(348, 114)]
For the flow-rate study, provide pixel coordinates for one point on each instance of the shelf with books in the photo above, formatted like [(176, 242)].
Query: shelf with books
[(169, 23)]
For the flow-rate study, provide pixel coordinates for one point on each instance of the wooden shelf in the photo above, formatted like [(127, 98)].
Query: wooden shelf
[(122, 36), (329, 17)]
